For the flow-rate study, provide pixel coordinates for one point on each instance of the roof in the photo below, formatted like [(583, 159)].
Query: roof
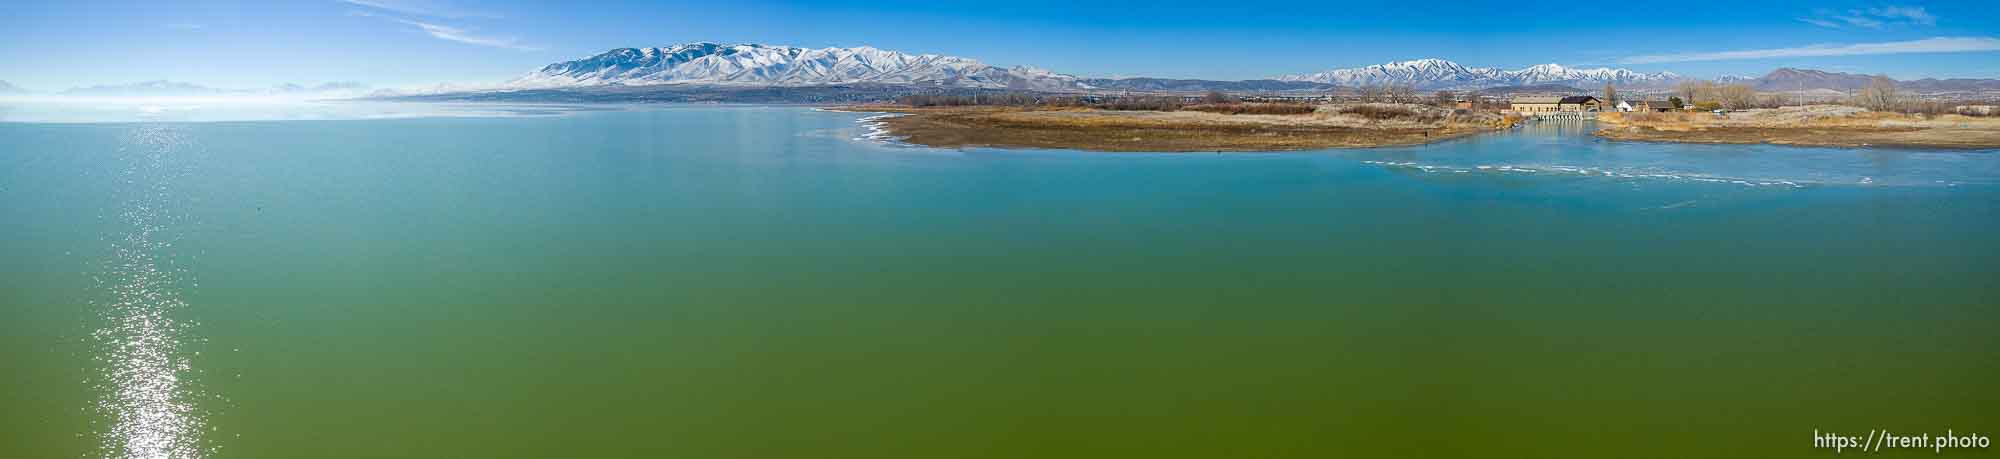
[(1537, 99), (1578, 99)]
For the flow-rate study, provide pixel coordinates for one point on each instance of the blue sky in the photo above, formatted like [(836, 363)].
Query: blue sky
[(388, 43)]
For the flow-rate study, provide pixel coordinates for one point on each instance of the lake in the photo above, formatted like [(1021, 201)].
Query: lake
[(761, 282)]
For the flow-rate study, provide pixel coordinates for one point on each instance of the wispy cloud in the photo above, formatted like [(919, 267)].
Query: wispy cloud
[(449, 33), (453, 33), (1914, 15), (1860, 21), (1928, 45), (1872, 18), (422, 8)]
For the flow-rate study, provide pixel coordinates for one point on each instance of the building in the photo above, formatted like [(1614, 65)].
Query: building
[(1552, 104), (1645, 106), (1536, 104), (1579, 104)]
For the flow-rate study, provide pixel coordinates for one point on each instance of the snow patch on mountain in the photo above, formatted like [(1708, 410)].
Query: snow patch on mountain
[(1444, 74), (712, 63)]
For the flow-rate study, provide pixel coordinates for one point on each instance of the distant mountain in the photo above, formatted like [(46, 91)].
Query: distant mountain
[(1444, 74), (1931, 85), (755, 64), (705, 71), (1791, 79), (175, 88), (336, 86), (145, 88), (1176, 85), (6, 87), (688, 93)]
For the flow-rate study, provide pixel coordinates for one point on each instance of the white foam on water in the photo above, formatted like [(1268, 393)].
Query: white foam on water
[(1559, 170), (878, 129)]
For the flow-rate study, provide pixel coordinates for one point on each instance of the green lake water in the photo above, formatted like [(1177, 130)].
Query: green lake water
[(757, 282)]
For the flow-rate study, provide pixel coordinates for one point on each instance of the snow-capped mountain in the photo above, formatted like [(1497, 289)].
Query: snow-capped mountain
[(1444, 74), (712, 63), (164, 88), (6, 87), (1553, 73), (332, 86), (1423, 73), (145, 88)]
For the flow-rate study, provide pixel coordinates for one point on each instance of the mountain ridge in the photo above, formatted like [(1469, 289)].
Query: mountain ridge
[(1795, 79), (1434, 73), (752, 64), (1198, 85), (749, 63), (179, 88)]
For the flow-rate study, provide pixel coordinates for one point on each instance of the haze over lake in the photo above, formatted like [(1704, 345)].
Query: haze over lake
[(761, 282)]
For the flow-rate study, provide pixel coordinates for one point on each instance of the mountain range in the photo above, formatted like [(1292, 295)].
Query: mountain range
[(756, 64), (6, 87), (143, 88), (1185, 85), (1444, 74), (176, 88), (1791, 79)]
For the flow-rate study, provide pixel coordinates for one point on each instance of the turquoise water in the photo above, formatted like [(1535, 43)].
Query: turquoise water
[(755, 282)]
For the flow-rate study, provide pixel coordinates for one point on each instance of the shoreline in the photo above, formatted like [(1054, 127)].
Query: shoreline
[(1155, 131), (1808, 126)]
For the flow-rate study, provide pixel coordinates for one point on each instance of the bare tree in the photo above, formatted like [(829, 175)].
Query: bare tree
[(1216, 97), (1402, 93), (1879, 95), (1736, 96), (1610, 94), (1444, 98), (1690, 90)]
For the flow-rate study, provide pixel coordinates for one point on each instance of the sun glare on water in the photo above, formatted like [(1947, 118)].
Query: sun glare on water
[(144, 377)]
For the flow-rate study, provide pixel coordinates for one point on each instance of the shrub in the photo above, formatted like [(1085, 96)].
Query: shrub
[(1254, 109), (1143, 103), (1389, 112)]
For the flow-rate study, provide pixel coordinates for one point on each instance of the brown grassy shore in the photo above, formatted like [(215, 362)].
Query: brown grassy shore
[(1817, 125), (1188, 130)]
